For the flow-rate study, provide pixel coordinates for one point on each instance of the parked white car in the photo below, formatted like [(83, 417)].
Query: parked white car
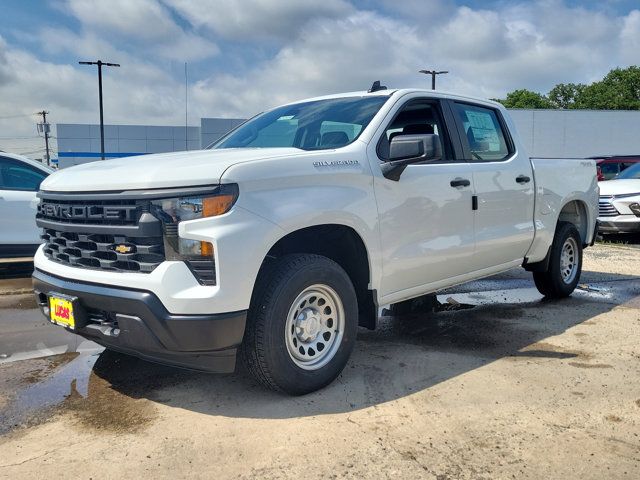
[(20, 179), (289, 232), (619, 208)]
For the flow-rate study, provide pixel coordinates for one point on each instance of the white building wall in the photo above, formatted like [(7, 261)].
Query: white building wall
[(578, 133)]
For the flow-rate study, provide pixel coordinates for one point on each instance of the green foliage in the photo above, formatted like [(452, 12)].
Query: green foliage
[(524, 98), (565, 95), (618, 90)]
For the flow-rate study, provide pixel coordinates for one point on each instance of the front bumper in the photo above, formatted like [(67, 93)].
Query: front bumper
[(619, 224), (136, 322)]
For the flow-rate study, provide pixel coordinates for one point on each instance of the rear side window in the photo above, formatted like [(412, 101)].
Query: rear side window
[(18, 176), (484, 133)]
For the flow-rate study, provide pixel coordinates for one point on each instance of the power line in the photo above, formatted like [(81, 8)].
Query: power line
[(4, 117)]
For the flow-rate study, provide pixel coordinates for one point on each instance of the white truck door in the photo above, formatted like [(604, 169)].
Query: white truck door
[(425, 217), (19, 183), (503, 184)]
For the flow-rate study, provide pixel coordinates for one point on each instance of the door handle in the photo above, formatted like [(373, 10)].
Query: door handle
[(522, 179), (459, 182)]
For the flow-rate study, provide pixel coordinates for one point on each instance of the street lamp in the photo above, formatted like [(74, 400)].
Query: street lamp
[(100, 63), (433, 74)]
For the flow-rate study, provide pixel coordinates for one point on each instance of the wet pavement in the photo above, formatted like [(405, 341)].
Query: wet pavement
[(559, 366)]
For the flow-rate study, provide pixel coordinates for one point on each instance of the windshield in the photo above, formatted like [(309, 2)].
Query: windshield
[(317, 125), (631, 172)]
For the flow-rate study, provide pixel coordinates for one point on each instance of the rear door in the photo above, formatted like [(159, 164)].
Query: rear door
[(425, 218), (503, 184), (19, 183)]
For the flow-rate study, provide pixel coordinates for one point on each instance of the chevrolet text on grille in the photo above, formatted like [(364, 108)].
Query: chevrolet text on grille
[(116, 212)]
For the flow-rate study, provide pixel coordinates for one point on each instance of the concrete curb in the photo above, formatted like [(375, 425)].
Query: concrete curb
[(20, 291)]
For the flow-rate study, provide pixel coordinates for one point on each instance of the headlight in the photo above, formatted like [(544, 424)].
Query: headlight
[(198, 255)]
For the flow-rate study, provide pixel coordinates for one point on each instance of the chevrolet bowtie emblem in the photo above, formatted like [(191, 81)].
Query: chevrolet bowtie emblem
[(123, 249)]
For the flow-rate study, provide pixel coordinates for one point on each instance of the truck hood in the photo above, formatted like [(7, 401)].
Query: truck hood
[(162, 170), (619, 187)]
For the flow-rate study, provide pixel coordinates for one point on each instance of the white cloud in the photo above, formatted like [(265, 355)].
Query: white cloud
[(630, 39), (247, 20), (146, 23), (328, 56)]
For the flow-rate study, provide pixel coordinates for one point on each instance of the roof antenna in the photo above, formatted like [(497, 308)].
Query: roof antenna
[(376, 87)]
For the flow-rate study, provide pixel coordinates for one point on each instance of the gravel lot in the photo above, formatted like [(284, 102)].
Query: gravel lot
[(515, 387)]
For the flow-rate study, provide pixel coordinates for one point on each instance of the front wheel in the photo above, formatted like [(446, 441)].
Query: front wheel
[(565, 263), (301, 325)]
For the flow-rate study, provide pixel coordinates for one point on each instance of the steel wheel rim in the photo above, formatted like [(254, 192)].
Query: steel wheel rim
[(314, 327), (569, 260)]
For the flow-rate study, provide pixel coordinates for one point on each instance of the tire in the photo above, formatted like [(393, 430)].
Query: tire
[(565, 263), (301, 324)]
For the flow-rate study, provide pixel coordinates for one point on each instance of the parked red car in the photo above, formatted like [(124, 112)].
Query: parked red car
[(609, 166)]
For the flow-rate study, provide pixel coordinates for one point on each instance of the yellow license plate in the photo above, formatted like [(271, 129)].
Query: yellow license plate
[(61, 311)]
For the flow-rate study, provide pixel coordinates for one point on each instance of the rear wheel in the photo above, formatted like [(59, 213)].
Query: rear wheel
[(301, 325), (565, 263)]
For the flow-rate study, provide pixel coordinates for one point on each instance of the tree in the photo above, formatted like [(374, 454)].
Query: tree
[(524, 98), (618, 90), (565, 95)]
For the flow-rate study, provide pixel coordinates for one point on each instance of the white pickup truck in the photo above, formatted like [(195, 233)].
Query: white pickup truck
[(280, 239)]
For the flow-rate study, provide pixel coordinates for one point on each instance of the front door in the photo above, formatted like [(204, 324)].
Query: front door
[(426, 217), (19, 183)]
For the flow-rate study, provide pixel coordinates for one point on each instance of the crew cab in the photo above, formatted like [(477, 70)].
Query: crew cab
[(283, 237)]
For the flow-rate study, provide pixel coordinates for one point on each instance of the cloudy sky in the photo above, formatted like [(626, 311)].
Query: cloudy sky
[(247, 55)]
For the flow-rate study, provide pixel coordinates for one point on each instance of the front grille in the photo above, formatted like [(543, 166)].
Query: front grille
[(99, 250), (115, 235), (606, 209), (115, 232)]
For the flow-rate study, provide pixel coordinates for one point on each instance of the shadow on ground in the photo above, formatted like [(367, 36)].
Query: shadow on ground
[(404, 355)]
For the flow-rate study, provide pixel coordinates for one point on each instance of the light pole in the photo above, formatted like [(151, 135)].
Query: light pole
[(433, 74), (100, 63)]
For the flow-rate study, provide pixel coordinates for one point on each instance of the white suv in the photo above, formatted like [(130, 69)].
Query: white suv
[(20, 180), (620, 202)]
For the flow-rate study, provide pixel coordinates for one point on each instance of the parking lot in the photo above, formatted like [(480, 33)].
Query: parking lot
[(499, 383)]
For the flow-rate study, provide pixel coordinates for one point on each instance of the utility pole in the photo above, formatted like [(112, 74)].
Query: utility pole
[(433, 74), (100, 64), (186, 108), (45, 128)]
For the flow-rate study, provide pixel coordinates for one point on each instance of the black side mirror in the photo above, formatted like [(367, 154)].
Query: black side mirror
[(407, 149)]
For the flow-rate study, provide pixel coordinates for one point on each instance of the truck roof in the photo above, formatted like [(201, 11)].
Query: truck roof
[(399, 92)]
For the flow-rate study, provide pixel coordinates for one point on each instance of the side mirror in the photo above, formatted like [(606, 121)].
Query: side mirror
[(407, 149)]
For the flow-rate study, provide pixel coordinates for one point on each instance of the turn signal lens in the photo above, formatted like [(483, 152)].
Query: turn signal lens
[(213, 206), (206, 249)]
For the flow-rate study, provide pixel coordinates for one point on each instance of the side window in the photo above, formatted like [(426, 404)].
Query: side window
[(416, 117), (485, 137), (609, 170), (18, 176)]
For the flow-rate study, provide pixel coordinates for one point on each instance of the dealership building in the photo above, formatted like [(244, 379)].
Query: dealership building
[(545, 133)]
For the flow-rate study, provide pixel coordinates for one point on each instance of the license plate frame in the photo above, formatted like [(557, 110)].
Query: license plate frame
[(62, 310)]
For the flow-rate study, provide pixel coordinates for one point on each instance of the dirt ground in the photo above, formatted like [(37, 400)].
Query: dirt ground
[(516, 387)]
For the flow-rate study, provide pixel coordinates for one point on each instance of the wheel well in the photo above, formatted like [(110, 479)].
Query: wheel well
[(575, 212), (344, 246)]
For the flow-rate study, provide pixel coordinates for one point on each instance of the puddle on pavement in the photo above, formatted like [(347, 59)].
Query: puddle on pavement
[(105, 391), (523, 295)]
